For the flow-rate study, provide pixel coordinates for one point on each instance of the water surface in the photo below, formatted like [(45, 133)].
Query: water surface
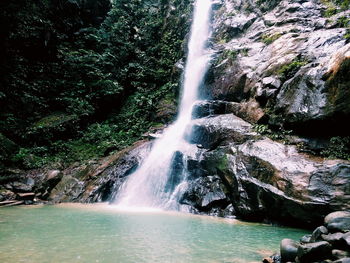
[(100, 233)]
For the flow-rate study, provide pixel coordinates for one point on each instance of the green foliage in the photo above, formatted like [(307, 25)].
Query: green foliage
[(245, 51), (28, 159), (343, 4), (231, 55), (75, 87), (289, 70), (347, 34), (262, 129), (339, 147), (99, 139), (335, 6), (330, 11), (269, 39), (343, 21), (53, 120), (274, 134)]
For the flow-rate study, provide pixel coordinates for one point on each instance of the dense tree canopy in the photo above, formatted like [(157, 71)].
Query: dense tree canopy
[(82, 78)]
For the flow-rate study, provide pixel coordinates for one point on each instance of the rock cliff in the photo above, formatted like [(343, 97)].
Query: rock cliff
[(289, 57), (284, 64)]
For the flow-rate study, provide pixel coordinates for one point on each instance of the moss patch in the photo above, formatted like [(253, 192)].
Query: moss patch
[(339, 147), (289, 70), (334, 6), (53, 120), (269, 39)]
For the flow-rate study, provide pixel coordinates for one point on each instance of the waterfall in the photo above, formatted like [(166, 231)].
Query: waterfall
[(153, 183)]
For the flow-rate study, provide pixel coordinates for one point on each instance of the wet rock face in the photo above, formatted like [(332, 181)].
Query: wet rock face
[(287, 56), (94, 182), (99, 181), (260, 176), (205, 194), (211, 132)]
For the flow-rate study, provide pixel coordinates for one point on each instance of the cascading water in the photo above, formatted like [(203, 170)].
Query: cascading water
[(152, 184)]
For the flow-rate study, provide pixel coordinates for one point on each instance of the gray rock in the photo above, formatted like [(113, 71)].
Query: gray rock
[(336, 240), (339, 254), (318, 232), (23, 185), (346, 238), (305, 239), (313, 252), (7, 195), (285, 170), (261, 176), (98, 181), (207, 108), (334, 215), (288, 250), (339, 224), (214, 131), (205, 194), (342, 260), (306, 98), (271, 82)]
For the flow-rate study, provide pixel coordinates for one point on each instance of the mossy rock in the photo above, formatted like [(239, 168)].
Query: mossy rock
[(55, 126), (53, 121), (165, 109)]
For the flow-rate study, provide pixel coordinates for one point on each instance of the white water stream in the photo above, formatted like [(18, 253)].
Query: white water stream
[(152, 184)]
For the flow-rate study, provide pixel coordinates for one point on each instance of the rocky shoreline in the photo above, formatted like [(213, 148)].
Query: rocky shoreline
[(329, 243), (235, 172)]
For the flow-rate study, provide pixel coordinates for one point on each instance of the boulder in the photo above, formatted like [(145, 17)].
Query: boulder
[(205, 194), (318, 232), (288, 250), (213, 107), (288, 179), (342, 260), (339, 254), (166, 110), (305, 239), (6, 195), (336, 240), (341, 224), (346, 238), (334, 215), (338, 221), (211, 132), (313, 252)]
